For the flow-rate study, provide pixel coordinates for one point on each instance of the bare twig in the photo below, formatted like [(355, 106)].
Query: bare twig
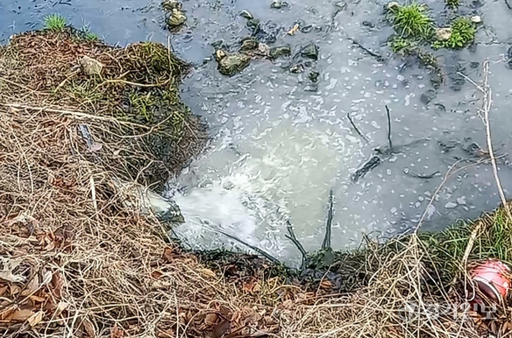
[(355, 128), (328, 228), (291, 236), (486, 109), (252, 247), (389, 130)]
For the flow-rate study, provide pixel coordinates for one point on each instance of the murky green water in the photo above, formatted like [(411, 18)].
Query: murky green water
[(279, 148)]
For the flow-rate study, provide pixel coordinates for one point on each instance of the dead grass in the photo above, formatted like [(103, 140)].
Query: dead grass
[(75, 261)]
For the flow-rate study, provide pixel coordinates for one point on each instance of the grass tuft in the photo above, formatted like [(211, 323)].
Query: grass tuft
[(401, 45), (453, 4), (412, 21), (88, 35), (463, 34), (54, 22)]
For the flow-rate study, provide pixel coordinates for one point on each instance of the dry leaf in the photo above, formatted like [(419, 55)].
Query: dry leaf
[(36, 318), (20, 315), (3, 289), (32, 286), (116, 332), (168, 254), (95, 147), (89, 328), (293, 30), (210, 319), (61, 307), (37, 299), (47, 278), (57, 283), (220, 329), (208, 272), (9, 264), (156, 274), (325, 284)]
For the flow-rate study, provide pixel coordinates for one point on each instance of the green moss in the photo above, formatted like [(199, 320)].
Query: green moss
[(54, 22), (463, 34), (412, 21)]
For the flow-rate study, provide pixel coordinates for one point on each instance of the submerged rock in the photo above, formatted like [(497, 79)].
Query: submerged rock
[(392, 5), (436, 79), (310, 51), (297, 69), (313, 76), (279, 51), (428, 96), (246, 14), (476, 19), (229, 65), (368, 24), (170, 5), (177, 18), (443, 34), (340, 5), (91, 66), (249, 44), (278, 4), (253, 23)]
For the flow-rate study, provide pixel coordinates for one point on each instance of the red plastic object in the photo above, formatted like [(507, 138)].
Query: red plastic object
[(493, 279)]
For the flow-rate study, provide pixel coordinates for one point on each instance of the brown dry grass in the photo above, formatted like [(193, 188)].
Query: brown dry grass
[(75, 261)]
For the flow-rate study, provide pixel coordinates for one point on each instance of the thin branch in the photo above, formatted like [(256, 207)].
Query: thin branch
[(258, 250), (328, 231), (389, 130), (291, 236), (355, 128), (486, 108)]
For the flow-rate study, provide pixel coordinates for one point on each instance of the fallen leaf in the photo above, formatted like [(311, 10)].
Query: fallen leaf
[(3, 289), (35, 319), (32, 286), (61, 307), (57, 283), (156, 274), (293, 30), (116, 332), (325, 284), (220, 329), (95, 147), (47, 278), (36, 299), (20, 315), (168, 254), (210, 319), (89, 328), (9, 264)]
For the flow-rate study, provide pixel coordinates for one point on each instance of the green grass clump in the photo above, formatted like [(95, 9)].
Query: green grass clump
[(54, 22), (463, 34), (401, 45), (453, 4), (88, 35), (412, 21)]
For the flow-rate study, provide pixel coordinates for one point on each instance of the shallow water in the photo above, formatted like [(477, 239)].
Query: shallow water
[(278, 149)]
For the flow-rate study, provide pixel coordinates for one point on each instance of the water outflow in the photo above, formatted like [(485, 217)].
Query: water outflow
[(282, 173)]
